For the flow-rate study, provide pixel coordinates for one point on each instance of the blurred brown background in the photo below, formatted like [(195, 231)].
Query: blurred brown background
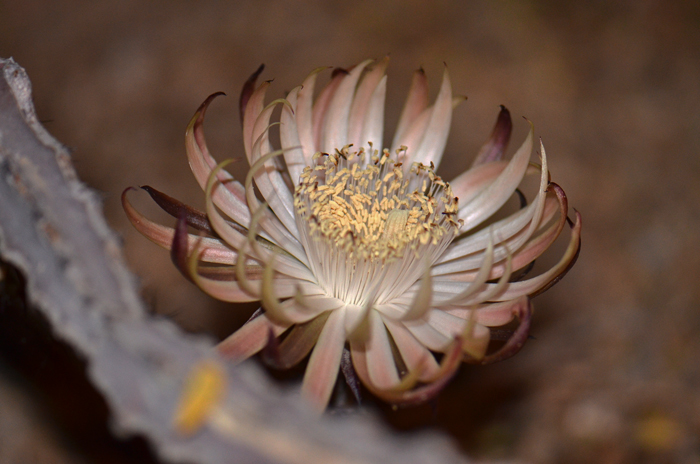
[(613, 89)]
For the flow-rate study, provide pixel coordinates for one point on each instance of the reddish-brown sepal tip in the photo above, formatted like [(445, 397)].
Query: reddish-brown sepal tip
[(247, 91), (338, 71), (205, 104), (496, 145), (178, 249), (430, 391), (194, 218), (516, 342)]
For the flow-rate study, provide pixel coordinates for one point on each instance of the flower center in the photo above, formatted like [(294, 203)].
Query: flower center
[(375, 212), (356, 212)]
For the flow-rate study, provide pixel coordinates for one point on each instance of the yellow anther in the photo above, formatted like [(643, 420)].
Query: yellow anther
[(366, 212)]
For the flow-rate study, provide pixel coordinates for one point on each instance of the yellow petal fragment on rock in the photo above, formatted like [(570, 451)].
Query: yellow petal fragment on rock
[(203, 390)]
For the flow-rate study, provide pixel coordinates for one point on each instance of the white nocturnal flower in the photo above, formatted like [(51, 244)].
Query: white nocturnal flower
[(362, 255)]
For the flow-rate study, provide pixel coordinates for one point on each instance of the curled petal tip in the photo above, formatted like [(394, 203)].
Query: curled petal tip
[(497, 143), (338, 71), (320, 69), (253, 77), (400, 397), (458, 100), (523, 310), (203, 107), (126, 205), (571, 223), (177, 209)]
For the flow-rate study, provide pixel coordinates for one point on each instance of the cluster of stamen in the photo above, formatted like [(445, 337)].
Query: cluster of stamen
[(371, 209)]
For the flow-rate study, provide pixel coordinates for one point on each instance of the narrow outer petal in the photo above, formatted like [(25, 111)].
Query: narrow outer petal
[(498, 141), (267, 178), (213, 251), (175, 208), (289, 137), (416, 103), (362, 103), (256, 103), (468, 184), (304, 117), (380, 359), (414, 354), (247, 91), (322, 370), (496, 194), (229, 194), (448, 368), (532, 287), (433, 144), (373, 130), (249, 339), (297, 344), (335, 127), (322, 104)]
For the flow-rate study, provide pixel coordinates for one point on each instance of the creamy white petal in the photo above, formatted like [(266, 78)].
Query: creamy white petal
[(468, 184), (362, 105), (269, 180), (444, 289), (322, 370), (322, 105), (416, 103), (255, 105), (432, 338), (373, 128), (490, 315), (433, 144), (303, 115), (504, 231), (335, 128), (229, 194), (380, 360), (414, 354), (289, 136), (249, 339), (495, 195)]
